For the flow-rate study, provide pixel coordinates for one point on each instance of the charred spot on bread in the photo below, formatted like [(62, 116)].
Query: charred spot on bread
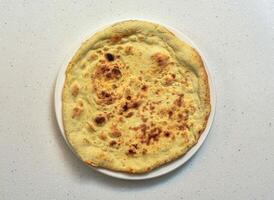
[(160, 59), (109, 57), (76, 112), (99, 120)]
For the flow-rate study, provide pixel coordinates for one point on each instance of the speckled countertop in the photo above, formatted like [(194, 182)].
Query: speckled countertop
[(236, 160)]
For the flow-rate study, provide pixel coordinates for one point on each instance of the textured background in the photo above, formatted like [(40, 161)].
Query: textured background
[(235, 162)]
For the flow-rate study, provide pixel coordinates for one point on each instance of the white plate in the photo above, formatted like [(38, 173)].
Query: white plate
[(165, 168)]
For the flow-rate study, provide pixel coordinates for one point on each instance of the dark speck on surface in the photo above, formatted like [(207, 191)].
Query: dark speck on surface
[(109, 57)]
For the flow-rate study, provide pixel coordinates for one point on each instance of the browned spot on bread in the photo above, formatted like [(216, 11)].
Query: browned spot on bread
[(102, 69), (152, 124), (121, 119), (170, 113), (105, 97), (93, 56), (144, 119), (125, 107), (102, 136), (144, 151), (75, 89), (133, 149), (183, 126), (108, 101), (144, 87), (108, 75), (116, 73), (130, 105), (130, 114), (182, 116), (179, 101), (131, 152), (116, 133), (151, 107), (167, 133), (76, 112), (135, 104), (112, 143), (99, 120), (80, 102), (128, 50), (153, 135), (109, 115), (160, 59), (105, 94), (143, 128), (130, 170), (201, 131), (158, 91), (108, 70), (116, 38), (169, 79)]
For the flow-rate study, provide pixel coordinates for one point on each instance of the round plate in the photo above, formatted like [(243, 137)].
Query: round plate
[(160, 170)]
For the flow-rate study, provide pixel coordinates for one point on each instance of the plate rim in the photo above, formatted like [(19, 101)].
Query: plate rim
[(166, 168)]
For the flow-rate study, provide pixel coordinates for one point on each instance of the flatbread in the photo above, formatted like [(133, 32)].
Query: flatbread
[(135, 97)]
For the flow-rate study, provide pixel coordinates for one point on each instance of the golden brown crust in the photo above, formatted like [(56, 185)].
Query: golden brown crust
[(98, 155)]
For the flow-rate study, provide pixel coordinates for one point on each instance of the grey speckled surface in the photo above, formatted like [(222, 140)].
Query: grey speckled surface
[(237, 159)]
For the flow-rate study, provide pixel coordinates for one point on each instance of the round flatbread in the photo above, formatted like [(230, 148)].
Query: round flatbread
[(135, 97)]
